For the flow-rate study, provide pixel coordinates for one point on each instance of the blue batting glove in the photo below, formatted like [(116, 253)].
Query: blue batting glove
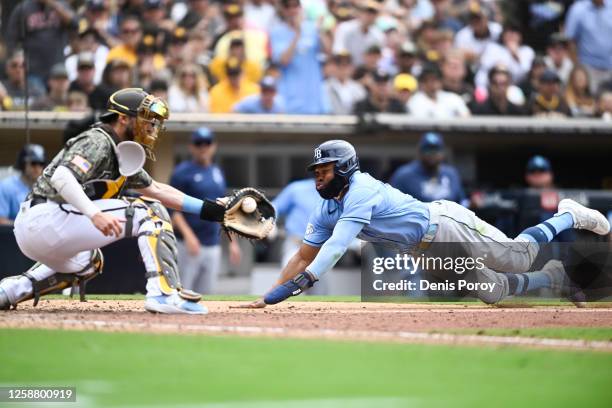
[(290, 288)]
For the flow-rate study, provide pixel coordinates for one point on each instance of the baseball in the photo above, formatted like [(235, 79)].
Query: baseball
[(249, 205)]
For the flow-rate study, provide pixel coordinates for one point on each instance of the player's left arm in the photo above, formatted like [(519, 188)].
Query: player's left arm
[(331, 251)]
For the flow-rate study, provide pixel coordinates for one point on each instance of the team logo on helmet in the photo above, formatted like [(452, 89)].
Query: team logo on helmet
[(317, 154)]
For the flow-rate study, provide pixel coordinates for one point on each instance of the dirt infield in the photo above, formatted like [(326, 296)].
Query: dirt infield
[(337, 320)]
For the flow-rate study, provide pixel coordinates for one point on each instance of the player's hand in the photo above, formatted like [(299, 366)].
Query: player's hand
[(256, 304), (108, 224), (193, 245)]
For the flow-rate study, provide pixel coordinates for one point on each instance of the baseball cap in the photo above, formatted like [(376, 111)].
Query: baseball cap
[(558, 39), (538, 163), (381, 76), (232, 10), (408, 48), (371, 5), (268, 82), (95, 5), (179, 35), (550, 76), (405, 82), (429, 70), (344, 10), (342, 55), (238, 41), (58, 71), (86, 60), (430, 142), (202, 135), (152, 4)]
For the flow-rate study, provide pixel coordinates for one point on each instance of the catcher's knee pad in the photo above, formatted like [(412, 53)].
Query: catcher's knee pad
[(59, 281)]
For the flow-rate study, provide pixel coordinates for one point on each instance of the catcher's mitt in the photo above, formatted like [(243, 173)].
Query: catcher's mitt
[(254, 225)]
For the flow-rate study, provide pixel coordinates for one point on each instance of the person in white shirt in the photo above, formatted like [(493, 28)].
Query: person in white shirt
[(557, 56), (431, 101), (342, 90), (357, 35), (259, 14), (474, 38), (511, 53)]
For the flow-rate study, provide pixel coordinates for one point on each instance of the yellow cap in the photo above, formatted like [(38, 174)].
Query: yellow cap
[(405, 81)]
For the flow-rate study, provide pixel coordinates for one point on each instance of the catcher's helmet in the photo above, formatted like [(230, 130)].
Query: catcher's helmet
[(30, 153), (337, 151), (150, 113)]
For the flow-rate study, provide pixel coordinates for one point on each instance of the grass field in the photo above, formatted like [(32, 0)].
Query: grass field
[(121, 369)]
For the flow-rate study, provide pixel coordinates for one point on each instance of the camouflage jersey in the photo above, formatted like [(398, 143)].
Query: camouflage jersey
[(92, 158)]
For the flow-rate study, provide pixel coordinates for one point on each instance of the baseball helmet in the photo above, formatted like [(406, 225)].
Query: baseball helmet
[(30, 153), (345, 160), (150, 113)]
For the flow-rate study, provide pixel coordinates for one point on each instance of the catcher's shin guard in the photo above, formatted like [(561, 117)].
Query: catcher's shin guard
[(59, 281), (161, 242)]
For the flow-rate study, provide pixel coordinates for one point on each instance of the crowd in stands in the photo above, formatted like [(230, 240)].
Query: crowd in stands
[(425, 58)]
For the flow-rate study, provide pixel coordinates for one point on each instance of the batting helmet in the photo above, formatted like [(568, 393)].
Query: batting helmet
[(345, 160), (30, 153)]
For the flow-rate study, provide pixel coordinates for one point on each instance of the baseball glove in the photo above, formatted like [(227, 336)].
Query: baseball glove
[(254, 225)]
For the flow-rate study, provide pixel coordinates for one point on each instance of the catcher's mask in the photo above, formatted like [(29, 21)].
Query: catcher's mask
[(150, 113)]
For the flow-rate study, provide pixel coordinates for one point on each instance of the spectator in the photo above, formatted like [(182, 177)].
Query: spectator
[(404, 85), (428, 178), (78, 102), (267, 101), (117, 75), (589, 25), (578, 93), (538, 173), (232, 89), (557, 57), (176, 50), (294, 204), (407, 60), (379, 99), (343, 92), (188, 92), (255, 40), (548, 101), (604, 105), (359, 34), (454, 74), (259, 14), (199, 241), (97, 15), (511, 53), (86, 71), (41, 28), (15, 84), (295, 46), (441, 18), (13, 190), (88, 41), (497, 102), (531, 83), (159, 89), (431, 101), (251, 69), (202, 17), (480, 32), (57, 97), (130, 37), (155, 20)]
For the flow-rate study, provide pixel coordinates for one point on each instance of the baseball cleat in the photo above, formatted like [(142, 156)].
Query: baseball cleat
[(585, 218), (559, 282), (173, 304)]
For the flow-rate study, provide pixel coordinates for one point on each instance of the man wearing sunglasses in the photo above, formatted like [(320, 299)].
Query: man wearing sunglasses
[(77, 206)]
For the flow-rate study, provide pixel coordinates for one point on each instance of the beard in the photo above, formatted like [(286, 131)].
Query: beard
[(129, 131), (333, 188)]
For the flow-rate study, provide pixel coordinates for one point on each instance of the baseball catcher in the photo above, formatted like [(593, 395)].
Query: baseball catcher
[(354, 204), (77, 206)]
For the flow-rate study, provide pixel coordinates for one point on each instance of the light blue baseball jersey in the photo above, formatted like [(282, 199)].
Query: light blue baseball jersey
[(388, 216), (296, 202), (13, 192)]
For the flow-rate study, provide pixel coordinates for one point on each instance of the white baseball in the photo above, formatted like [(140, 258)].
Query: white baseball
[(249, 205)]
